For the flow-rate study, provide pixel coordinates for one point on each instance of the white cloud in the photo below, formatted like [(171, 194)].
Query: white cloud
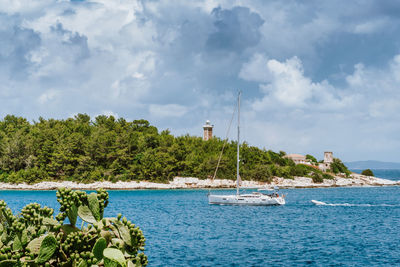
[(169, 110), (298, 114), (395, 68), (254, 70), (48, 96), (285, 83), (356, 79), (384, 108), (371, 26), (288, 85), (25, 7)]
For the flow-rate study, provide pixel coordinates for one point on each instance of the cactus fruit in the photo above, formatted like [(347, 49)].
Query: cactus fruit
[(36, 238)]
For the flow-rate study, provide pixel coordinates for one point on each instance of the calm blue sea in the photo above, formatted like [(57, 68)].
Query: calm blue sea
[(391, 174), (361, 228)]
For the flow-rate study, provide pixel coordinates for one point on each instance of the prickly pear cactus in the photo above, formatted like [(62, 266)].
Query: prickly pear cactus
[(36, 238)]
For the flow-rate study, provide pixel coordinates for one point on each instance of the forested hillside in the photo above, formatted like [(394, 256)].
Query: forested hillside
[(105, 148)]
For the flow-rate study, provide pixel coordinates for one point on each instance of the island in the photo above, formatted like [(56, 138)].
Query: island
[(112, 153)]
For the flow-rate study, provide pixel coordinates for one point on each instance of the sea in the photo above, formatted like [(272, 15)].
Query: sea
[(353, 226), (390, 174)]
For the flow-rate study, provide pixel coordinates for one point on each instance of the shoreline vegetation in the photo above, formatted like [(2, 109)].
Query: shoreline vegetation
[(106, 152)]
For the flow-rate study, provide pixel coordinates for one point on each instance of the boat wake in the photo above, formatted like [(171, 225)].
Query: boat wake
[(320, 203)]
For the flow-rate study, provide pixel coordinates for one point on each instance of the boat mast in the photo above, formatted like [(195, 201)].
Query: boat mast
[(238, 142)]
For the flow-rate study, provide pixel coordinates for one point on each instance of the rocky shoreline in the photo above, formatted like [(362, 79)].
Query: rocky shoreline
[(356, 180)]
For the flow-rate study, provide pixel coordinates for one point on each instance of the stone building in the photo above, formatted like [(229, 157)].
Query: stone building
[(328, 159), (208, 131), (297, 158), (324, 166)]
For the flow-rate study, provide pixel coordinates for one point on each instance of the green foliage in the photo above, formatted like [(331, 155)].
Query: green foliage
[(94, 206), (261, 173), (311, 158), (115, 256), (317, 178), (36, 238), (337, 166), (98, 248), (327, 176), (105, 148), (47, 248), (367, 172), (301, 170)]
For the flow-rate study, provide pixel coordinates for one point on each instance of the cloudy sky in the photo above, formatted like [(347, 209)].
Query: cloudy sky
[(315, 75)]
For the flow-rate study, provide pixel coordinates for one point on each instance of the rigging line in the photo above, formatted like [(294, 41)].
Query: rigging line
[(223, 146)]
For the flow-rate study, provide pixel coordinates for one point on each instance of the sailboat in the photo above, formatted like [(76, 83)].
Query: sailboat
[(255, 198)]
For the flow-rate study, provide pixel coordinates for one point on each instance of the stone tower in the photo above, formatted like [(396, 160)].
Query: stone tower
[(328, 157), (208, 129), (328, 160)]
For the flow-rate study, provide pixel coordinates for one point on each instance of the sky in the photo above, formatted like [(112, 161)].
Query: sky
[(315, 75)]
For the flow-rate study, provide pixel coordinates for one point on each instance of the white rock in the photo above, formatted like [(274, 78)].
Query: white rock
[(193, 182)]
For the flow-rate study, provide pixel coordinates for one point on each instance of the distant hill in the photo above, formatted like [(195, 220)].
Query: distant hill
[(372, 164)]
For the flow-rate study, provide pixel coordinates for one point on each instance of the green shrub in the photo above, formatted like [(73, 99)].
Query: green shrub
[(285, 172), (261, 173), (327, 176), (367, 172), (36, 238), (302, 170), (337, 166), (317, 178), (311, 158)]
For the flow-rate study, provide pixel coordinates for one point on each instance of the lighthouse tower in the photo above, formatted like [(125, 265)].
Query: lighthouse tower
[(328, 157), (208, 128)]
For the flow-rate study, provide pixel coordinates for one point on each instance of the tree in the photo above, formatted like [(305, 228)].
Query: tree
[(317, 178), (367, 172), (311, 158), (105, 148), (337, 166)]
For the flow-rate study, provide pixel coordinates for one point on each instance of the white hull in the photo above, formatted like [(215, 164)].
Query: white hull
[(246, 199), (316, 202)]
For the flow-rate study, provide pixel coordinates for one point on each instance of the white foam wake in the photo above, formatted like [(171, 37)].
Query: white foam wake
[(320, 203)]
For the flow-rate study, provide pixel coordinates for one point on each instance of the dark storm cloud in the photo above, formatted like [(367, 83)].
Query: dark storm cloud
[(74, 44), (16, 42), (387, 7), (235, 29)]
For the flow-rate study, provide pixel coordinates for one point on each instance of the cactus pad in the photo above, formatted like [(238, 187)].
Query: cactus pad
[(115, 255), (86, 214), (47, 248), (99, 247)]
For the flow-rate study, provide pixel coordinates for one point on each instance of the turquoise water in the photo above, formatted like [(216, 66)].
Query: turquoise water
[(391, 174), (182, 229)]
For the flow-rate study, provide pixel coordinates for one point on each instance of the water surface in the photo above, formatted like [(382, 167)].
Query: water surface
[(391, 174), (182, 229)]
